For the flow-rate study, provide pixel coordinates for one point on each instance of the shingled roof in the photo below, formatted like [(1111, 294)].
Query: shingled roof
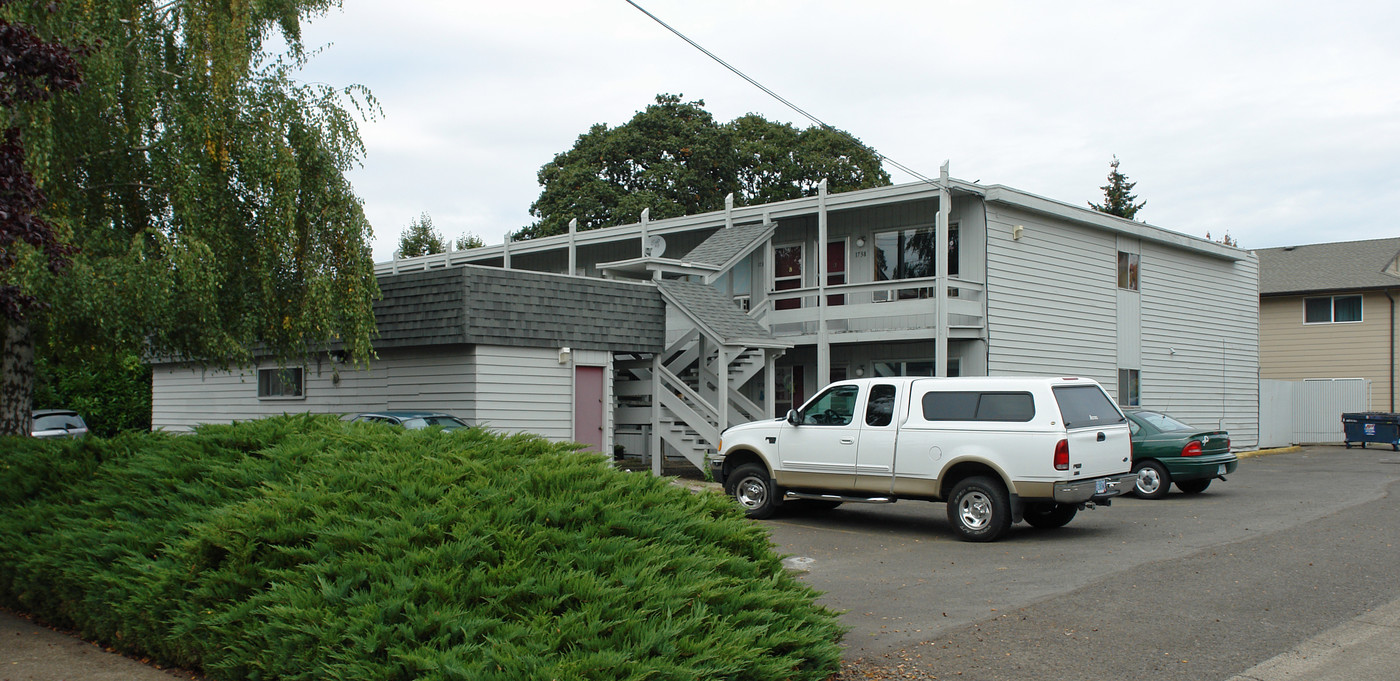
[(1337, 266), (493, 306), (715, 312), (730, 244)]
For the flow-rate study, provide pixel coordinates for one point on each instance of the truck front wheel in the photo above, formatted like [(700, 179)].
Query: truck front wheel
[(750, 485), (979, 509)]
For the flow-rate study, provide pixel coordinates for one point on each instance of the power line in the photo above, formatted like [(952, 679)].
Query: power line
[(778, 97)]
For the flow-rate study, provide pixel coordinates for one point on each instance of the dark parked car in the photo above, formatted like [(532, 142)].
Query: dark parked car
[(413, 420), (1167, 451), (55, 423)]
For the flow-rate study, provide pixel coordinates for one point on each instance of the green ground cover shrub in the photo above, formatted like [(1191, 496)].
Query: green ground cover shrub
[(306, 548)]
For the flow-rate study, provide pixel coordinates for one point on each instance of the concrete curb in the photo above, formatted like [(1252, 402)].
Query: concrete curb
[(1269, 452)]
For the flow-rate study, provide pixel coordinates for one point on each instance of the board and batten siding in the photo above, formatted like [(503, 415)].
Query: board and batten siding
[(439, 378), (1292, 350), (1051, 298), (1200, 340)]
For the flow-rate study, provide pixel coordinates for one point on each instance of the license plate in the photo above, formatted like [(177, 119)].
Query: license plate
[(1100, 486), (1221, 471)]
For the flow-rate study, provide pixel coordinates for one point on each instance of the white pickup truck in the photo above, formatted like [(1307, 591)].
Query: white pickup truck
[(997, 449)]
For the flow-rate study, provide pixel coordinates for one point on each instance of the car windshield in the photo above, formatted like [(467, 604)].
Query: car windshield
[(1161, 421)]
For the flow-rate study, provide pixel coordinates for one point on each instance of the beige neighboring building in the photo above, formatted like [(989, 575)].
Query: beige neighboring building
[(1328, 311)]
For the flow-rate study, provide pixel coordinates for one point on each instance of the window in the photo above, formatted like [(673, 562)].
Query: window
[(1332, 309), (1086, 406), (978, 406), (879, 411), (280, 382), (836, 269), (835, 407), (1129, 387), (1128, 270), (787, 274)]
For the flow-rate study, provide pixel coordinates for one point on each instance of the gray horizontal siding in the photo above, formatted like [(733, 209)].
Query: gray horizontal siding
[(1051, 298), (524, 390), (1207, 311), (184, 396)]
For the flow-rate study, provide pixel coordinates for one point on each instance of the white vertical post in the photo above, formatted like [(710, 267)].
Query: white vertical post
[(505, 252), (654, 447), (722, 368), (770, 382), (940, 249), (823, 343), (729, 210), (573, 252)]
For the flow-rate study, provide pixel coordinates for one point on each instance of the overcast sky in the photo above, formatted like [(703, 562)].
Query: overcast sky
[(1277, 121)]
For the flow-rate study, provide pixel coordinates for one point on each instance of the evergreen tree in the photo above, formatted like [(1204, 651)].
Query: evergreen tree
[(1118, 196), (420, 238)]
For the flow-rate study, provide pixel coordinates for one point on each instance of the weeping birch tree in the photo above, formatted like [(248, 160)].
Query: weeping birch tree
[(195, 187)]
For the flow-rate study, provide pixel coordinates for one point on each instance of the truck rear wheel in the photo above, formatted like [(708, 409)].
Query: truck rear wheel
[(979, 509), (1049, 515), (750, 485)]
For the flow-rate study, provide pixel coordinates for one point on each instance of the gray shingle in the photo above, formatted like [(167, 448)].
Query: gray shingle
[(726, 244), (489, 305), (716, 311), (1337, 266)]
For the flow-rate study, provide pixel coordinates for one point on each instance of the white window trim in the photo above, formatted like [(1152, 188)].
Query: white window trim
[(1332, 309), (280, 398)]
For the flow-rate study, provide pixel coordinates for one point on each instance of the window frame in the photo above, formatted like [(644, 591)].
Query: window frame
[(1129, 271), (265, 385), (1129, 387), (1332, 309)]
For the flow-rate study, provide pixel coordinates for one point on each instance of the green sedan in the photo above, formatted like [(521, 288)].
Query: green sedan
[(1167, 451)]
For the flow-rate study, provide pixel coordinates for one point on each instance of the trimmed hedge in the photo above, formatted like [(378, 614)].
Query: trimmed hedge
[(302, 547)]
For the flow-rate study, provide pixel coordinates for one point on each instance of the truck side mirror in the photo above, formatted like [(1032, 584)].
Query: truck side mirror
[(793, 418)]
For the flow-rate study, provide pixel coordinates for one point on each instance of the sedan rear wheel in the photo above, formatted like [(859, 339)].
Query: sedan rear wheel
[(1153, 480), (1193, 486)]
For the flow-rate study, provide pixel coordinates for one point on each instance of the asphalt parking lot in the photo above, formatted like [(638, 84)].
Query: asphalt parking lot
[(1200, 587)]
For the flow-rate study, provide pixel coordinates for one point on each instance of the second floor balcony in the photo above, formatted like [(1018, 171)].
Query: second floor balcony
[(905, 309)]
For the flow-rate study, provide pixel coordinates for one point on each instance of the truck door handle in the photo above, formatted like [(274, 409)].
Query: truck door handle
[(848, 440), (1101, 437)]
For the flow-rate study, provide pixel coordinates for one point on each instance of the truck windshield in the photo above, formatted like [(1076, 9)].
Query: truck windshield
[(1086, 406)]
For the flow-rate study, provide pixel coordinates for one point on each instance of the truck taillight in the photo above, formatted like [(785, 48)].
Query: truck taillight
[(1062, 455), (1192, 448)]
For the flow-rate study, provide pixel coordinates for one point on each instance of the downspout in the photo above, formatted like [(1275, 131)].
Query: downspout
[(1392, 349)]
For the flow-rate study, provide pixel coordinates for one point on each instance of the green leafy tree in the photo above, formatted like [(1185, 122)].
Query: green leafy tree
[(675, 159), (1118, 195), (200, 186), (420, 238), (469, 240)]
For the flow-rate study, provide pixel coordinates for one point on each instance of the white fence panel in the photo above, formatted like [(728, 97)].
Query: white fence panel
[(1275, 413), (1308, 411)]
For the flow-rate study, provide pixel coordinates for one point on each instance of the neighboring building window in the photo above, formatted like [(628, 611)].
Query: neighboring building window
[(1332, 309), (280, 382), (1128, 270), (1129, 387)]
